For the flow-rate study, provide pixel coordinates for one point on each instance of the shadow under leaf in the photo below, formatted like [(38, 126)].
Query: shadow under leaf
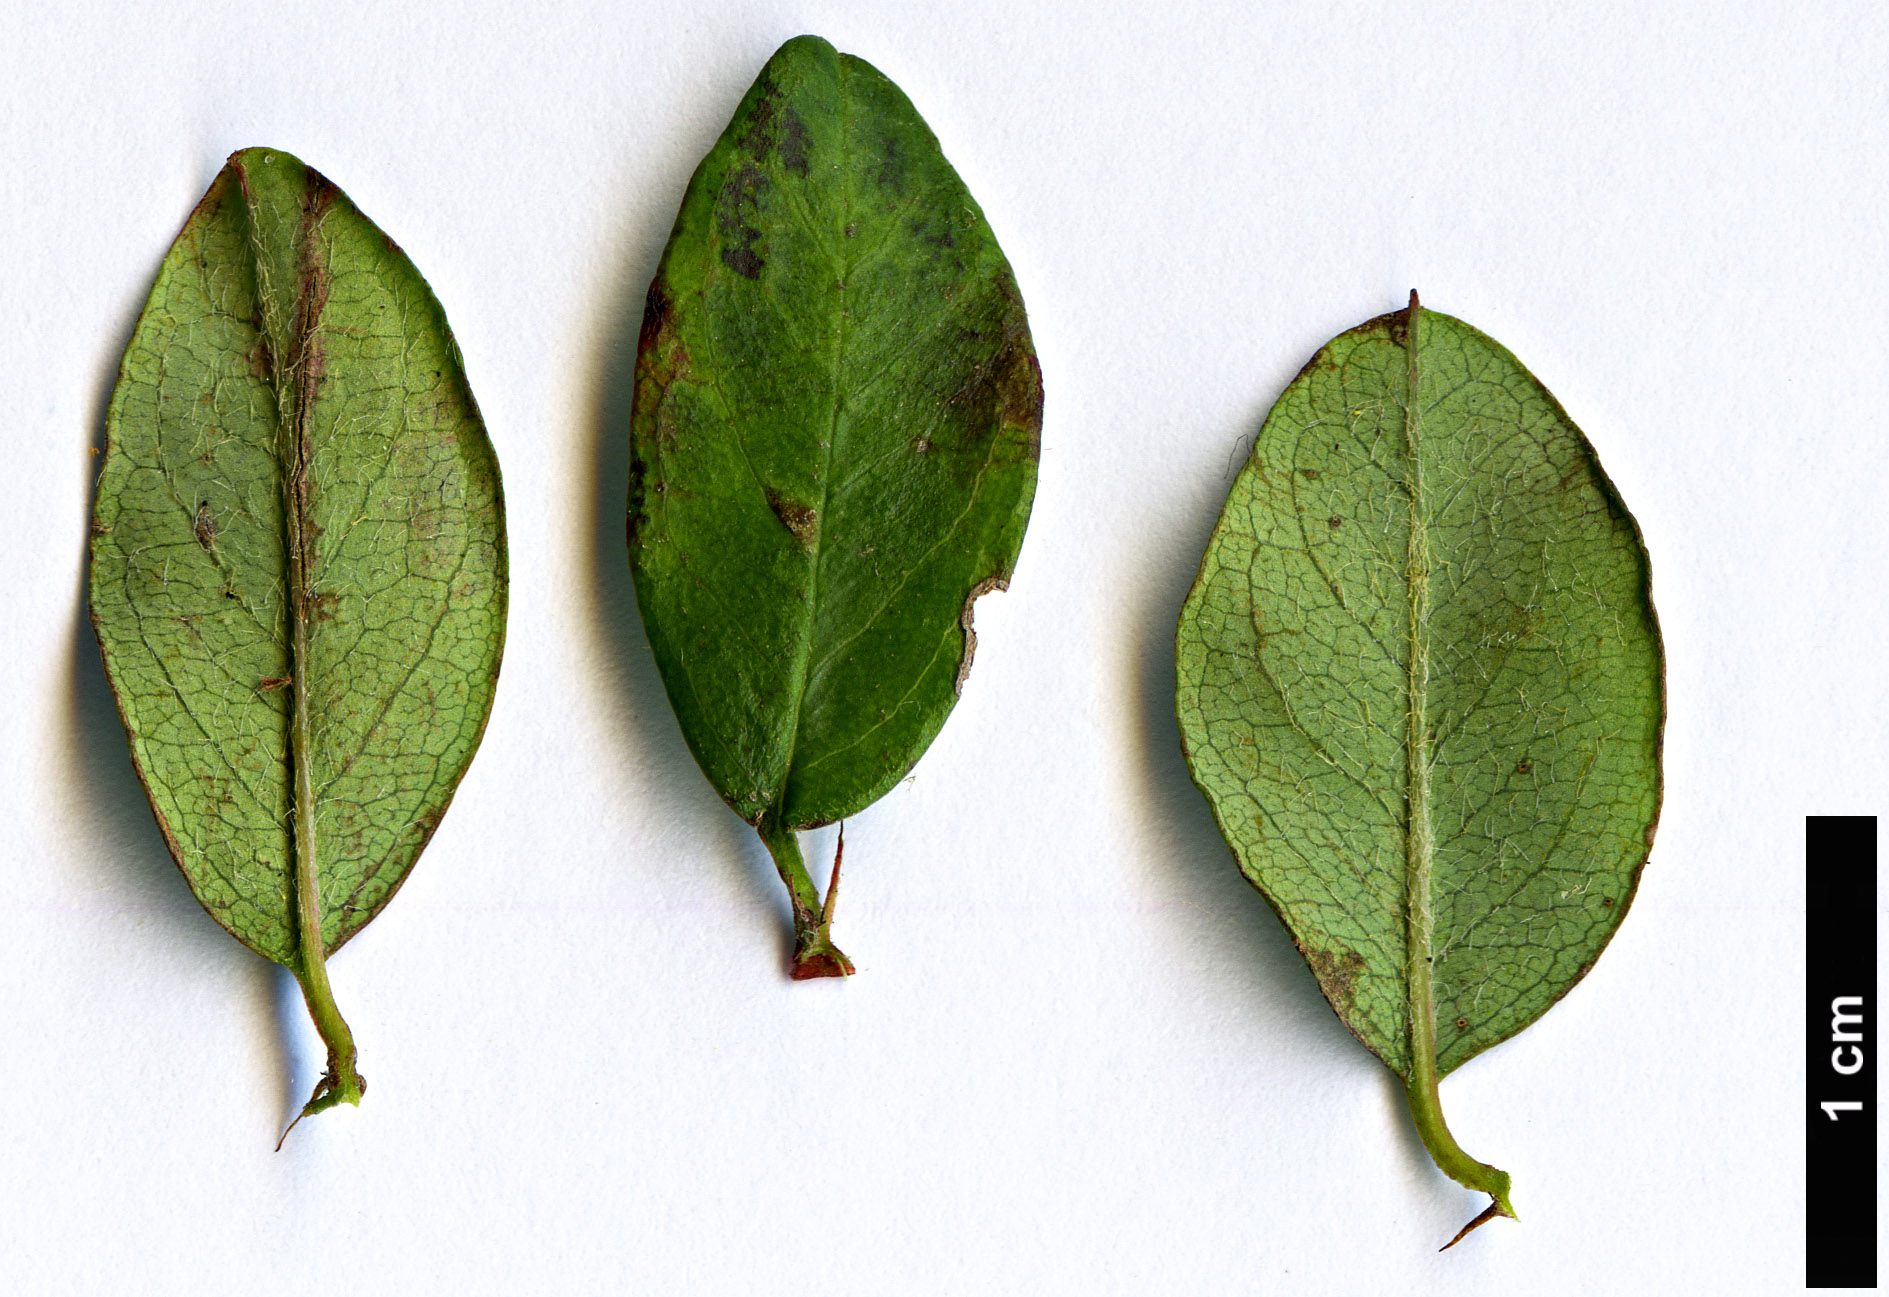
[(652, 732), (1185, 832)]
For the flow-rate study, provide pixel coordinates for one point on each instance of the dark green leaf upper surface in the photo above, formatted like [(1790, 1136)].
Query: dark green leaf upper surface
[(291, 388), (834, 441), (1534, 670)]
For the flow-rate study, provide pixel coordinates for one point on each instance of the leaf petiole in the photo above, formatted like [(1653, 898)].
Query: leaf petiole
[(341, 1083), (1427, 1109), (815, 955)]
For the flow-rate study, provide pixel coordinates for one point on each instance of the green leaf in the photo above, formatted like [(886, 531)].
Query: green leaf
[(1421, 684), (298, 568), (833, 452)]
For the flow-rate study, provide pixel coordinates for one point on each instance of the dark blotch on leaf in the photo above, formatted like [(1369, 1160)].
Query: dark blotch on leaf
[(744, 195), (743, 261), (757, 140), (797, 518), (795, 143), (655, 315), (891, 169)]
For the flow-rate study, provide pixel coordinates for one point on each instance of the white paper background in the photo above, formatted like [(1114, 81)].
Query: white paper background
[(1081, 1056)]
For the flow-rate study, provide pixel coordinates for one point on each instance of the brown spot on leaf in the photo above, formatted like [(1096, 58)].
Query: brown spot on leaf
[(318, 195), (1007, 389), (1409, 317), (656, 307), (802, 521), (1335, 522), (983, 587), (1462, 1024), (1607, 902), (1337, 972), (661, 360), (1523, 766), (205, 527), (1309, 474), (322, 607), (1394, 324), (269, 684)]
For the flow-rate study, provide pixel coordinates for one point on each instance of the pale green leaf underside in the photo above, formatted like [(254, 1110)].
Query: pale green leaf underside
[(1544, 697), (279, 306)]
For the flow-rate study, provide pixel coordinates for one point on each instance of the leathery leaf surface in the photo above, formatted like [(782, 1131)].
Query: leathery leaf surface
[(1421, 684), (834, 449), (298, 566)]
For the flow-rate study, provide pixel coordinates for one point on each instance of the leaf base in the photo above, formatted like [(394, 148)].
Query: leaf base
[(1427, 1109)]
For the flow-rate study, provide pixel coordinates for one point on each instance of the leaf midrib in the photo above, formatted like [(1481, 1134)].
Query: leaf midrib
[(292, 378), (1419, 845), (803, 649)]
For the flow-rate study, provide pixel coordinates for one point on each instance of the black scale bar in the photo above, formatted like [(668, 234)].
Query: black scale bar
[(1840, 1051)]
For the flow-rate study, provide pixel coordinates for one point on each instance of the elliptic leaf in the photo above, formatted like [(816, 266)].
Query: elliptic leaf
[(298, 567), (833, 452), (1421, 684)]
